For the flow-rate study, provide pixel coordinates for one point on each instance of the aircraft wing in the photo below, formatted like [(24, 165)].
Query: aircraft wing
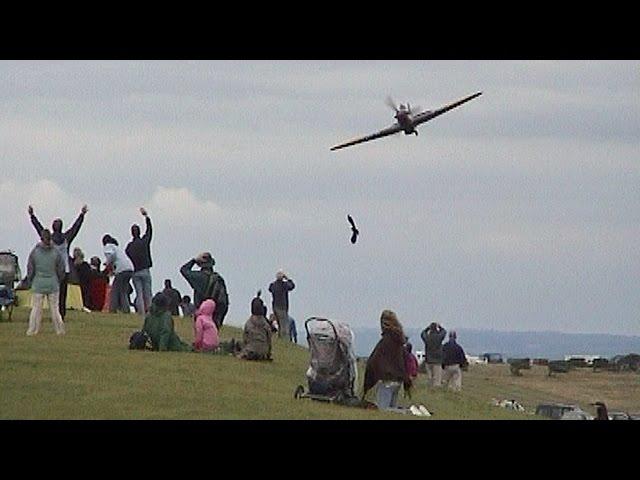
[(426, 116), (382, 133)]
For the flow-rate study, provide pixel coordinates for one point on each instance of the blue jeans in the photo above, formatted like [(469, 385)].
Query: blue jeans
[(387, 394), (120, 293), (142, 286)]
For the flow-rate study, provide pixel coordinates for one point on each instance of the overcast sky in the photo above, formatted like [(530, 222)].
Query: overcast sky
[(517, 211)]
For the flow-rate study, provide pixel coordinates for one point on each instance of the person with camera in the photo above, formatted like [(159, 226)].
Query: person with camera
[(280, 289), (433, 336), (207, 283)]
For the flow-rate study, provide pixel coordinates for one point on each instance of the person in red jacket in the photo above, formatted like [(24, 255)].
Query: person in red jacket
[(410, 361), (98, 282)]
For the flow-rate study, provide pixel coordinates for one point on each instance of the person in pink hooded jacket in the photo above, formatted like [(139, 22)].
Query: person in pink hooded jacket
[(205, 330)]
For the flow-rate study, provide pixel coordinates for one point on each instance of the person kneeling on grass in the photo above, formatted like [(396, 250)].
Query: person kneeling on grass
[(158, 324), (386, 369), (204, 328), (257, 334)]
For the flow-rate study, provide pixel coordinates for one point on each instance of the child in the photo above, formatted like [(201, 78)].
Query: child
[(188, 308), (410, 361), (205, 330)]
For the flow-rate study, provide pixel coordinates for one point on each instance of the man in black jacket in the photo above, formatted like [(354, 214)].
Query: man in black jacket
[(61, 242), (280, 291), (139, 251), (453, 359)]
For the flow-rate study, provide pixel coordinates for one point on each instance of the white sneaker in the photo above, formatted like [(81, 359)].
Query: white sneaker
[(415, 410), (424, 410)]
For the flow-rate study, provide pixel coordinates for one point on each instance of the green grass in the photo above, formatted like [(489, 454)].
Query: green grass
[(90, 374)]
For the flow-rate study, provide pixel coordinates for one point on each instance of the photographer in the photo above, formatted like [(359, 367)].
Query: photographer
[(207, 284), (280, 291), (432, 337)]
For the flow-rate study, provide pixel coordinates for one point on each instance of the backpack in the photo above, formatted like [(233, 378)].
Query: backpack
[(139, 341), (217, 291)]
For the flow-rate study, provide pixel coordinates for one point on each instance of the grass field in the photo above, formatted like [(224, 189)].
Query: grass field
[(90, 374)]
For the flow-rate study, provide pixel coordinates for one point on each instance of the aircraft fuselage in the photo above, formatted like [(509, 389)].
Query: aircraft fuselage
[(404, 120)]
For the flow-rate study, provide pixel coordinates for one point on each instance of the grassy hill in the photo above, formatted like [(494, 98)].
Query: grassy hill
[(90, 374)]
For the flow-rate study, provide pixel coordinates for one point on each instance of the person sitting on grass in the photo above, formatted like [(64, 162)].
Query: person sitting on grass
[(158, 324), (204, 328), (187, 306), (257, 334)]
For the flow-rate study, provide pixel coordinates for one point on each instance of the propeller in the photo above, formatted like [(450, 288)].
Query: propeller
[(414, 109), (389, 101)]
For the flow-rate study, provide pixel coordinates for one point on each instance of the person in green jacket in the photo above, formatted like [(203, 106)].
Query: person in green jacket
[(158, 324), (45, 270)]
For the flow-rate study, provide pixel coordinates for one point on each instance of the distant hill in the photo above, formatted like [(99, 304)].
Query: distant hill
[(552, 345)]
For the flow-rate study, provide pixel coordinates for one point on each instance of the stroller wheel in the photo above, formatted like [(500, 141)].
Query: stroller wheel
[(298, 392)]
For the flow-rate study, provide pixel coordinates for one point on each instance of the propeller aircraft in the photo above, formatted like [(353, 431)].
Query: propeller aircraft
[(407, 119)]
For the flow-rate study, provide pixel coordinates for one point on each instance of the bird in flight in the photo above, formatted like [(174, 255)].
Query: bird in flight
[(407, 119), (354, 230)]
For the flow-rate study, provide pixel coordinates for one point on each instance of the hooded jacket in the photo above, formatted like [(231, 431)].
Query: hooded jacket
[(257, 338), (205, 330), (159, 326), (257, 333), (45, 269)]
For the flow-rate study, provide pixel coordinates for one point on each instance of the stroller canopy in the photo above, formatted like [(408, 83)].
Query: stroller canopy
[(333, 357), (9, 268)]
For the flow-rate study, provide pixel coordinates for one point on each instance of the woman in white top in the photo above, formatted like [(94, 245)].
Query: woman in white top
[(120, 264)]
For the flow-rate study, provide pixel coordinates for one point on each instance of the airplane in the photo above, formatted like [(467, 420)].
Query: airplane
[(407, 119)]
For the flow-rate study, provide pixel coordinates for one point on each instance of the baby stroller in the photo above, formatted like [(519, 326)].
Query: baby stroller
[(9, 275), (332, 372)]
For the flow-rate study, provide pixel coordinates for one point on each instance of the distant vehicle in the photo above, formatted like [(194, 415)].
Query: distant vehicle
[(630, 362), (634, 416), (420, 356), (577, 414), (541, 361), (475, 360), (492, 357), (556, 411), (581, 360), (619, 416), (558, 366)]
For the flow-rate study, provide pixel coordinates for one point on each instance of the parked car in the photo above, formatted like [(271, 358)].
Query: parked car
[(619, 416), (556, 411), (492, 357), (577, 414)]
